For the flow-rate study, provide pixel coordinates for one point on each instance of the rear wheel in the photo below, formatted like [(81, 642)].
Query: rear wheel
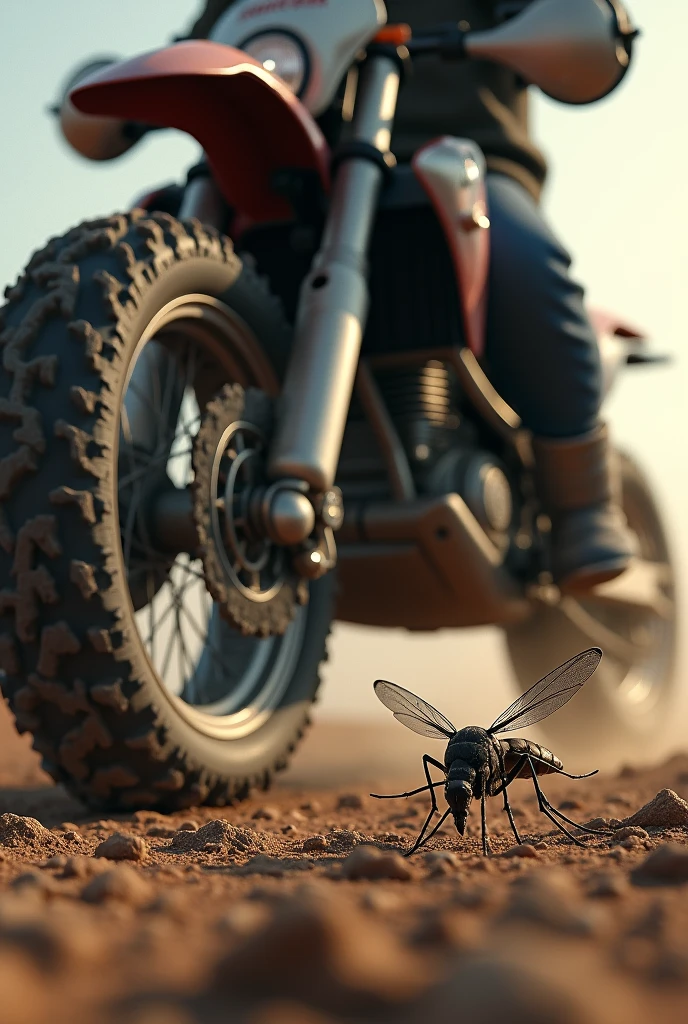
[(139, 685), (623, 710)]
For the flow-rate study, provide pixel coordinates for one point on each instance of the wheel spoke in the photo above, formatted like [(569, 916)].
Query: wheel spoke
[(640, 586), (613, 643)]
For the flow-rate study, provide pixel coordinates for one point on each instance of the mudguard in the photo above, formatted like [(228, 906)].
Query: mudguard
[(248, 123)]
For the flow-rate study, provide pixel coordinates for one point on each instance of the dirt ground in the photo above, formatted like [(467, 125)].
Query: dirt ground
[(297, 907)]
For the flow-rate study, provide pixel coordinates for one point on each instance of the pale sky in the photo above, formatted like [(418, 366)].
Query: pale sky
[(616, 196)]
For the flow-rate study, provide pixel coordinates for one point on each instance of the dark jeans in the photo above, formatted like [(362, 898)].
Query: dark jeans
[(541, 353)]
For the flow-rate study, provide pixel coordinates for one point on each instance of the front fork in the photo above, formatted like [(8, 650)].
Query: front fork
[(334, 301), (333, 309)]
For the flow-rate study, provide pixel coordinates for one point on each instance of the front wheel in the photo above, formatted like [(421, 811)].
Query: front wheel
[(624, 709), (143, 681)]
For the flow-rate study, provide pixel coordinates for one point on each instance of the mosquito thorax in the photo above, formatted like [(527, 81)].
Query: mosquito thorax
[(471, 744)]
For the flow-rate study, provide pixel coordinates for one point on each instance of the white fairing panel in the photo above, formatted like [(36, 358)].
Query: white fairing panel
[(452, 172), (332, 31)]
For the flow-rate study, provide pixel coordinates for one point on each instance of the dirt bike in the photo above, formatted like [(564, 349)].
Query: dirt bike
[(197, 432)]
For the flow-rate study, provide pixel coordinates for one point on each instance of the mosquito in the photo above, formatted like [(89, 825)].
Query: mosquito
[(477, 764)]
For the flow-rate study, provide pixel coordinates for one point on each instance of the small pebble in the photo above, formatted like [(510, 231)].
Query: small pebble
[(598, 823), (310, 807), (266, 814), (369, 862), (614, 798), (243, 919), (297, 815), (441, 863), (524, 851), (314, 844), (571, 805), (122, 847), (380, 901), (188, 826), (288, 830), (349, 801), (212, 848)]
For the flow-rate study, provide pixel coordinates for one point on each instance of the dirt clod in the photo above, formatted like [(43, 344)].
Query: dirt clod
[(121, 883), (607, 885), (666, 810), (548, 898), (121, 846), (222, 837), (370, 862), (667, 865), (630, 832), (321, 949), (26, 835)]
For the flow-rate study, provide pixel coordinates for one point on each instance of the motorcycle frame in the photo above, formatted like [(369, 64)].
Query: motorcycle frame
[(458, 573)]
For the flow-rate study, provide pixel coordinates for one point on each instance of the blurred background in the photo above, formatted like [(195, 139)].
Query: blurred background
[(616, 196)]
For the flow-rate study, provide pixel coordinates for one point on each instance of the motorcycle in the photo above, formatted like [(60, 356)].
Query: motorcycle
[(198, 432)]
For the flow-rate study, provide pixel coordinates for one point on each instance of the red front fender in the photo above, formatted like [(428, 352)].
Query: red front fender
[(248, 123)]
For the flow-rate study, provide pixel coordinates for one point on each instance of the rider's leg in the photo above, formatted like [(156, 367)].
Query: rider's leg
[(543, 357)]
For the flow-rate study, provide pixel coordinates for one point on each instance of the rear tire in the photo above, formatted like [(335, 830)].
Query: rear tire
[(624, 709), (78, 674)]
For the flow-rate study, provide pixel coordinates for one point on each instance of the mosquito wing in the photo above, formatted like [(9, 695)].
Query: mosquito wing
[(413, 712), (549, 694)]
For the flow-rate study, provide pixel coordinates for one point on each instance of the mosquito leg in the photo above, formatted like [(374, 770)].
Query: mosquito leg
[(413, 792), (510, 814), (483, 825), (427, 760), (437, 827), (542, 804), (506, 782), (588, 775), (583, 828)]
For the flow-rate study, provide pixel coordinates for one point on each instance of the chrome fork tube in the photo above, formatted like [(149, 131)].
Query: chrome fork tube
[(333, 304)]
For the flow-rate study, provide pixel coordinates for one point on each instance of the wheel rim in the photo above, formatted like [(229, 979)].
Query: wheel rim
[(224, 684), (639, 645), (637, 686)]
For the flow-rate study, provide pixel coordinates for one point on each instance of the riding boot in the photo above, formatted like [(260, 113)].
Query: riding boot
[(580, 490)]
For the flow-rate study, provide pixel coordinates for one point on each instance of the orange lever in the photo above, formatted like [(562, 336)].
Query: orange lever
[(397, 35)]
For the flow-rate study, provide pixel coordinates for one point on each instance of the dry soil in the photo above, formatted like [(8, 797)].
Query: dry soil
[(297, 907)]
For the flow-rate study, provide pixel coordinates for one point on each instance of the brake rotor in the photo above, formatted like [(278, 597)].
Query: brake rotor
[(246, 573)]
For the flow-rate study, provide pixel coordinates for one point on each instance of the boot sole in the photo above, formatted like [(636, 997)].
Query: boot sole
[(587, 579)]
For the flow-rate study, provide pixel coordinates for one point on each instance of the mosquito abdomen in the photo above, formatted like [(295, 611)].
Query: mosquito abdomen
[(544, 761)]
